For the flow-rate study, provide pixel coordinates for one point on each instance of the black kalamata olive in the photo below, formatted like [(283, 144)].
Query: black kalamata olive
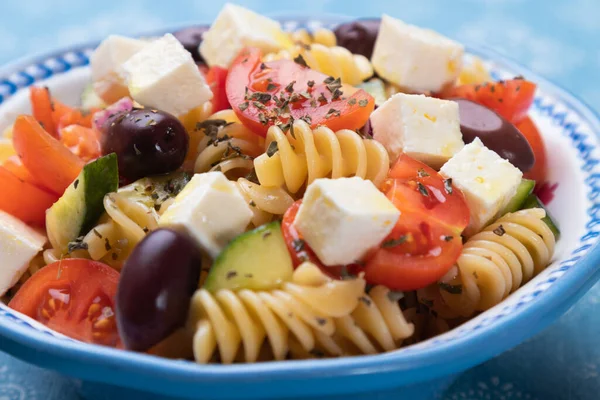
[(191, 38), (147, 142), (495, 132), (155, 288), (358, 36)]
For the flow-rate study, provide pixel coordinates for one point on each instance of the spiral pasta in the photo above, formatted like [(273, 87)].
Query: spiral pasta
[(311, 316), (265, 202), (335, 61), (304, 155), (228, 146), (130, 213), (227, 320), (496, 262), (322, 36), (376, 324), (225, 144)]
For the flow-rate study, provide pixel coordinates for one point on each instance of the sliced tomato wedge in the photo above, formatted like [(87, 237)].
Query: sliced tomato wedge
[(24, 200), (426, 241), (47, 159), (83, 142), (277, 92), (74, 297), (539, 171), (511, 98), (299, 250), (216, 77), (423, 191)]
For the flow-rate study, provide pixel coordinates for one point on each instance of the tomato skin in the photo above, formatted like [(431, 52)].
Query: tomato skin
[(511, 98), (48, 160), (216, 77), (74, 297), (303, 253), (83, 142), (539, 171), (348, 111), (426, 241), (448, 209), (23, 199), (410, 272)]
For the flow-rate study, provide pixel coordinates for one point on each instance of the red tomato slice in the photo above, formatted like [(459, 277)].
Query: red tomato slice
[(216, 77), (266, 94), (74, 297), (533, 136), (299, 250), (426, 240), (418, 252), (423, 191), (83, 142), (511, 98), (24, 200)]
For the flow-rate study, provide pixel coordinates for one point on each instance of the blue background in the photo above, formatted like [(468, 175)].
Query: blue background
[(558, 39)]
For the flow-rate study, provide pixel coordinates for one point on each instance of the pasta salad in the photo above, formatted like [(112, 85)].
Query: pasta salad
[(239, 193)]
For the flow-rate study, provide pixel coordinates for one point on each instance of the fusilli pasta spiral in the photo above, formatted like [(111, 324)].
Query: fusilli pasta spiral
[(227, 320), (225, 144), (323, 36), (496, 262), (336, 61), (312, 316), (304, 155), (130, 213), (265, 202), (376, 324)]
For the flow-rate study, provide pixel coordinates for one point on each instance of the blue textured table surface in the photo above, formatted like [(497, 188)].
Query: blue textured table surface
[(558, 39)]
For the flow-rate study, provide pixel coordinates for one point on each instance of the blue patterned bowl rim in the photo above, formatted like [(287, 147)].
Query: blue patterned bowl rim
[(476, 343)]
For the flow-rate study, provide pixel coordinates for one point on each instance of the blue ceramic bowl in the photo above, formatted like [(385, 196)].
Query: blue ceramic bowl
[(571, 132)]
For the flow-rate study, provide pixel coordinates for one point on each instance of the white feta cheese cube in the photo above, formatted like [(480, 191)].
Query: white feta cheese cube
[(414, 58), (163, 75), (106, 65), (18, 245), (487, 181), (211, 209), (425, 128), (341, 219), (237, 27)]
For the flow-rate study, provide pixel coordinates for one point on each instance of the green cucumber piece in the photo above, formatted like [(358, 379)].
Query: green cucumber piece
[(534, 202), (80, 207), (523, 191), (255, 260), (89, 98), (376, 88)]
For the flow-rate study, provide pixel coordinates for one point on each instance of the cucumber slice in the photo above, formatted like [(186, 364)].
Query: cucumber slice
[(523, 191), (89, 98), (255, 260), (376, 88), (80, 207), (534, 202)]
